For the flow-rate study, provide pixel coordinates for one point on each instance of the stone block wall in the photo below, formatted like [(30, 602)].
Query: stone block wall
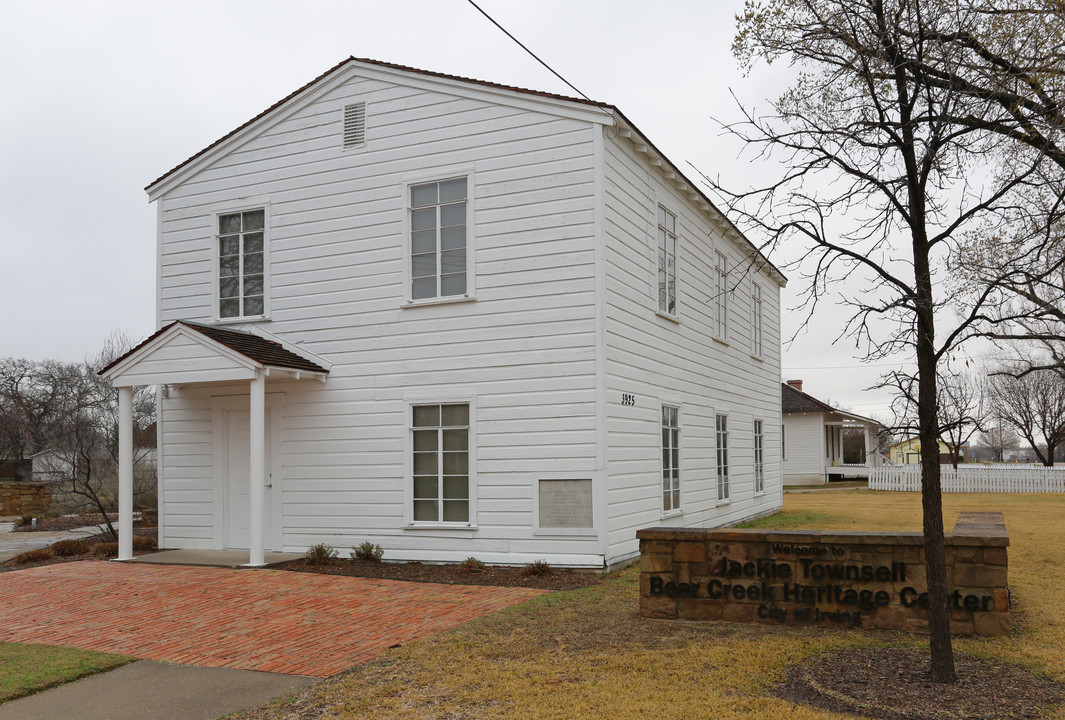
[(24, 498), (847, 579)]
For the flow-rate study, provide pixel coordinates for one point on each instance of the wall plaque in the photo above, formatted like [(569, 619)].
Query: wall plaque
[(566, 503)]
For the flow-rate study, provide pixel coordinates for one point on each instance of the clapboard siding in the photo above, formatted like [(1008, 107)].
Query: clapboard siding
[(660, 361), (523, 350), (805, 447)]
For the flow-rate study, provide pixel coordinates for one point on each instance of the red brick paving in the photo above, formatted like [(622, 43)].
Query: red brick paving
[(268, 620)]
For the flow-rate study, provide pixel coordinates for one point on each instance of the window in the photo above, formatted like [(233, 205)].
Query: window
[(438, 239), (667, 262), (670, 458), (783, 444), (441, 463), (759, 458), (241, 245), (721, 298), (722, 457), (756, 320)]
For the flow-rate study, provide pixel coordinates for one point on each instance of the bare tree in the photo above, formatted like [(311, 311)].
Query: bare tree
[(998, 437), (1033, 402), (885, 173)]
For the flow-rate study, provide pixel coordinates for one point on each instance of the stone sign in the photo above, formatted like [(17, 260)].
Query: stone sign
[(852, 579), (565, 503)]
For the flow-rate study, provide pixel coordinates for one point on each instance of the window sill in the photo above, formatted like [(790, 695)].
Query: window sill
[(566, 532), (757, 358), (666, 316), (726, 501), (722, 342), (438, 301), (672, 514), (239, 320), (439, 526)]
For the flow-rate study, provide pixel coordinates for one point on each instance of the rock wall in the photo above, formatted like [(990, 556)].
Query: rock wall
[(24, 498)]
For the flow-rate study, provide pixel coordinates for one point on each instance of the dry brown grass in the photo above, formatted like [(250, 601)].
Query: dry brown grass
[(587, 654)]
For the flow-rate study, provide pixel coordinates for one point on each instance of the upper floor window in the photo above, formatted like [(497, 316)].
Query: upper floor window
[(241, 248), (667, 262), (438, 239), (721, 298), (441, 463), (756, 320), (670, 458), (759, 457)]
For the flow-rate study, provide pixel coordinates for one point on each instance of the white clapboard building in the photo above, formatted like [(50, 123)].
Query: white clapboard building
[(457, 319)]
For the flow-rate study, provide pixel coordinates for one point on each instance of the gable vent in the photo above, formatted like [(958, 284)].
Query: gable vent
[(354, 124)]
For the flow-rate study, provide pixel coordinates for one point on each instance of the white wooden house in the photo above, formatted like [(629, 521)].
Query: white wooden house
[(812, 441), (457, 319)]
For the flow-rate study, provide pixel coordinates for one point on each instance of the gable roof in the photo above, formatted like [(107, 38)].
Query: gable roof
[(617, 117), (253, 347), (796, 401)]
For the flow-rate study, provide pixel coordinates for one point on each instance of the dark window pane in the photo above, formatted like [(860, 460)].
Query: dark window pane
[(451, 215), (453, 284), (456, 463), (456, 415), (425, 510), (425, 488), (228, 224), (253, 242), (456, 488), (423, 266), (254, 220), (452, 190), (253, 305), (456, 439), (229, 266), (423, 288), (426, 440), (425, 463), (427, 416), (456, 511), (229, 245), (453, 261), (253, 284), (229, 308), (422, 195), (253, 263), (423, 241), (229, 287), (423, 219), (453, 238)]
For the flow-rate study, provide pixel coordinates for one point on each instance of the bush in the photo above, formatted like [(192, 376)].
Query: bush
[(538, 568), (145, 542), (321, 554), (70, 548), (105, 550), (25, 521), (367, 552), (32, 556), (472, 565)]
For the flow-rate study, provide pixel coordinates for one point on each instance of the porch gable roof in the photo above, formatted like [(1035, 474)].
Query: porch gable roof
[(189, 352)]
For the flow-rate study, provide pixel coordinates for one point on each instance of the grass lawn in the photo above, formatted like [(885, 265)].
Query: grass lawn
[(26, 669), (587, 654)]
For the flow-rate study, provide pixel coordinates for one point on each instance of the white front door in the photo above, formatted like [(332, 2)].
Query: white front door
[(237, 500)]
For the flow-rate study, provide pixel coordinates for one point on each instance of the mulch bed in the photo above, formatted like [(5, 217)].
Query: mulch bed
[(893, 683), (556, 579), (63, 522)]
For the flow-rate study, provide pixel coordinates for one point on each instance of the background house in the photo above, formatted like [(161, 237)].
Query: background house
[(813, 434), (454, 318), (908, 452)]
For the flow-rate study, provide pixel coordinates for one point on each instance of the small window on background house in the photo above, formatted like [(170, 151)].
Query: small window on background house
[(354, 125), (756, 320), (670, 458), (241, 245), (721, 298), (759, 458), (438, 239), (722, 458), (667, 262), (441, 463)]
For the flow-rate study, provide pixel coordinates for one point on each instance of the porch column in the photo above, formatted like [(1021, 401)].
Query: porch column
[(870, 459), (125, 473), (257, 468)]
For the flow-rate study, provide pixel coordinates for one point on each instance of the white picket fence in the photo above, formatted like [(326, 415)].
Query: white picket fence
[(972, 479)]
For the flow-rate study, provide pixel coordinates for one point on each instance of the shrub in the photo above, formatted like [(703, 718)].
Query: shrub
[(70, 548), (320, 554), (105, 550), (32, 556), (25, 521), (367, 552), (538, 568), (145, 542), (472, 565)]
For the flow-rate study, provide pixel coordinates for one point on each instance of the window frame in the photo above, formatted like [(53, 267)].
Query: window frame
[(663, 235), (757, 321), (724, 492), (721, 293), (216, 254), (408, 463), (671, 461), (438, 175), (759, 456)]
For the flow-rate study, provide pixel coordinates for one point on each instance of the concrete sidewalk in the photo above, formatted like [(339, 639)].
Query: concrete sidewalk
[(146, 690), (12, 543)]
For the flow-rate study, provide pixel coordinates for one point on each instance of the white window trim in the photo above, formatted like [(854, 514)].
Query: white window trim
[(675, 315), (757, 321), (438, 175), (728, 459), (721, 293), (408, 463), (252, 204), (754, 455), (679, 510)]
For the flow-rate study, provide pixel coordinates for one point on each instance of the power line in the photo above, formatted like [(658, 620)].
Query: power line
[(535, 57), (838, 367)]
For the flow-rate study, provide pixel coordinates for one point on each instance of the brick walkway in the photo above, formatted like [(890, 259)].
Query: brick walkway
[(268, 620)]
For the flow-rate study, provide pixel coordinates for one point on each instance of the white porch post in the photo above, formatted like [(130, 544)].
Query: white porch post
[(870, 457), (125, 473), (257, 468)]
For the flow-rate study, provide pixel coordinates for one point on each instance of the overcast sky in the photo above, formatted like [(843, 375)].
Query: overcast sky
[(103, 97)]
